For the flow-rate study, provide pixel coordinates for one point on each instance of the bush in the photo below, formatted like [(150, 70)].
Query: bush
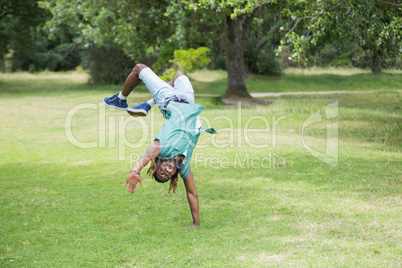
[(262, 61), (109, 65), (220, 62), (31, 68), (164, 57), (168, 74), (326, 55), (187, 61), (60, 58), (46, 60), (79, 69), (69, 59), (343, 60), (190, 60), (53, 60), (286, 59), (267, 63)]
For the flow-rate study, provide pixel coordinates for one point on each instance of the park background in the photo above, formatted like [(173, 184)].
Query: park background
[(65, 206)]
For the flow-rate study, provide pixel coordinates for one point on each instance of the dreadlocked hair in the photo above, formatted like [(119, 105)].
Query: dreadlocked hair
[(153, 171)]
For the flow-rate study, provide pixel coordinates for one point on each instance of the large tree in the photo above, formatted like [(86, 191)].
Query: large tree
[(231, 20), (374, 25)]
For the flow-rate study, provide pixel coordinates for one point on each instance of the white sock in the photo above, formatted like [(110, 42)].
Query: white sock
[(122, 97), (151, 102)]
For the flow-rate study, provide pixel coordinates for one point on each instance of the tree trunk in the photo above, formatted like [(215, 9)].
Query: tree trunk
[(376, 64), (232, 43)]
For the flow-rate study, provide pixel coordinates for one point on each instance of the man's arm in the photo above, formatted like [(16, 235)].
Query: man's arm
[(192, 198), (133, 178)]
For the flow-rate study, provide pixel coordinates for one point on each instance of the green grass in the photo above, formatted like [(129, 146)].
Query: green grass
[(208, 83), (311, 81), (62, 206)]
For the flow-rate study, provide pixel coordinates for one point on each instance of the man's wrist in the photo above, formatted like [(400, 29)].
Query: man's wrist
[(135, 171)]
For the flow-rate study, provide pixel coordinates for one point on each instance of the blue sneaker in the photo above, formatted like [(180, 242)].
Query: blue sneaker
[(116, 102), (139, 110)]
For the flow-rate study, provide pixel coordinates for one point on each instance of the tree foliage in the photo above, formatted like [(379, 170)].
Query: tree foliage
[(109, 65), (192, 59), (135, 25), (187, 61), (375, 26), (238, 33), (20, 22), (262, 39), (17, 19), (130, 25)]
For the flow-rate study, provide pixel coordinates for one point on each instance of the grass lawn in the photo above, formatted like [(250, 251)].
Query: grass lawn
[(277, 205)]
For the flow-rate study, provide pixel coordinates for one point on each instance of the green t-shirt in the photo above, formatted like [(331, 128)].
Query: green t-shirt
[(179, 134)]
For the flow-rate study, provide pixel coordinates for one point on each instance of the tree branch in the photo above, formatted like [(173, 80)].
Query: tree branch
[(334, 7), (204, 27), (260, 45), (314, 18), (302, 18), (179, 4), (75, 45), (386, 3), (248, 20), (263, 42), (263, 3)]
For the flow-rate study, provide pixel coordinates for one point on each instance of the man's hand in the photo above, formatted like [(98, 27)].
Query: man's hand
[(151, 153), (132, 180), (194, 225)]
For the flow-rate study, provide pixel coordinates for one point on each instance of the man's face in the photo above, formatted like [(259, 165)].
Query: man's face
[(166, 170)]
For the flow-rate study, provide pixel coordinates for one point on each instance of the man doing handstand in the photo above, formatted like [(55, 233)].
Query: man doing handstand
[(171, 150)]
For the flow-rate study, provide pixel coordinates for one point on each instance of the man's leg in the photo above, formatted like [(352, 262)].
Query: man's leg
[(143, 108), (160, 90), (183, 88), (119, 101), (132, 80), (175, 78), (180, 86)]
